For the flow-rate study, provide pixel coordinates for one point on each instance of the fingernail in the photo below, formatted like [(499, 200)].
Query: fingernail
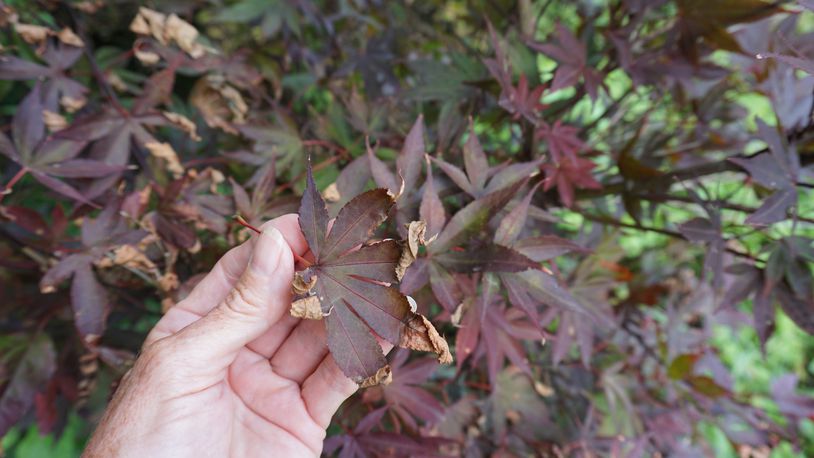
[(268, 251)]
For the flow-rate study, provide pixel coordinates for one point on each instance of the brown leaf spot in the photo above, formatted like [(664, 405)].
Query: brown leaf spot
[(382, 377), (420, 334), (307, 307)]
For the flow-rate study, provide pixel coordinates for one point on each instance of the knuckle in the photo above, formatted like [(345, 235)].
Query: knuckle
[(158, 354), (243, 299)]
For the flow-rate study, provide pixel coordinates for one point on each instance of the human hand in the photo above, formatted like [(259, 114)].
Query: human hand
[(227, 371)]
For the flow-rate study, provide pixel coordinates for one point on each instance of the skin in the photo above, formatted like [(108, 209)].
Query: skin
[(227, 371)]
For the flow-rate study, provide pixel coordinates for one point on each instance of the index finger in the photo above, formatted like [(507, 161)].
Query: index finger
[(214, 287)]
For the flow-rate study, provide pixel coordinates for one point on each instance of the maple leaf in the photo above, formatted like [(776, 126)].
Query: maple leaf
[(405, 396), (57, 86), (709, 20), (521, 101), (562, 140), (478, 178), (88, 297), (33, 369), (778, 170), (353, 288), (190, 203), (570, 174), (276, 144), (487, 328), (48, 157), (261, 205), (516, 408), (572, 57), (363, 441)]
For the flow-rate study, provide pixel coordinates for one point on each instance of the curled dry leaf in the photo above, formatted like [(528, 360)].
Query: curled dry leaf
[(54, 121), (184, 35), (220, 104), (127, 256), (149, 22), (165, 152), (416, 233), (168, 29), (420, 334), (68, 37), (184, 124), (72, 104), (383, 376), (331, 193), (147, 57), (168, 282), (32, 34), (308, 307), (300, 286)]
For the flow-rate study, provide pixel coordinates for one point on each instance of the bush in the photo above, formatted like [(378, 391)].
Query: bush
[(616, 194)]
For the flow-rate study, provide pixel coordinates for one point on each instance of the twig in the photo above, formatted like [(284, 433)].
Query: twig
[(326, 144), (17, 177), (240, 220), (613, 222)]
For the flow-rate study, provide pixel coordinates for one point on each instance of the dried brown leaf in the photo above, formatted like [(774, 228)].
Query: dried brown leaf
[(68, 37), (147, 57), (168, 282), (184, 124), (382, 377), (420, 334), (54, 121), (307, 307), (331, 193), (165, 152), (32, 34), (128, 256), (185, 35), (72, 104), (300, 286), (416, 231)]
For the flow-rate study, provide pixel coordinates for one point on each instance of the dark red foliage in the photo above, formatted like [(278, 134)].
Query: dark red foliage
[(576, 194)]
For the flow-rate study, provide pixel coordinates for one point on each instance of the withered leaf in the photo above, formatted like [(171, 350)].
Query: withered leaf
[(420, 334), (416, 232), (307, 307), (354, 285)]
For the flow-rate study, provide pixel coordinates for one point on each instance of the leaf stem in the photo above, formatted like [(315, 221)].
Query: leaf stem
[(326, 144), (17, 177), (242, 221)]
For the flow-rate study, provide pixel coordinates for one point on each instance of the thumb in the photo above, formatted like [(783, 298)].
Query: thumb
[(258, 300)]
